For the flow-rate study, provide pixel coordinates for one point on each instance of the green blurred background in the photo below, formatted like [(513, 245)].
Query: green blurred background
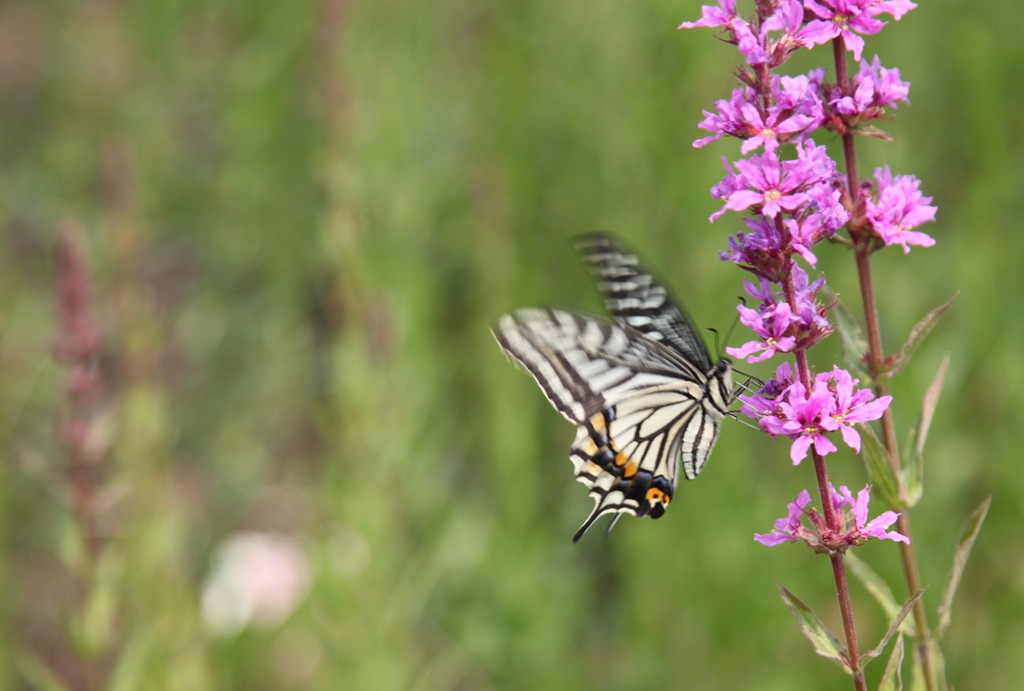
[(302, 218)]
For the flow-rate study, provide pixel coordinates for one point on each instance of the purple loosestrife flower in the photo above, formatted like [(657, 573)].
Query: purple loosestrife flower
[(813, 326), (850, 19), (855, 528), (771, 42), (765, 402), (800, 420), (771, 324), (862, 528), (851, 406), (760, 251), (834, 404), (788, 528), (763, 182), (724, 15), (798, 110), (874, 88), (898, 206)]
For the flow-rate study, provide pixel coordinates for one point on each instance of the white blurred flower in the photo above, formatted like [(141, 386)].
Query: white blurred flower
[(258, 579)]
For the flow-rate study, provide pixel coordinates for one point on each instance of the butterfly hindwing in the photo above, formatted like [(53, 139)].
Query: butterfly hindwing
[(641, 390)]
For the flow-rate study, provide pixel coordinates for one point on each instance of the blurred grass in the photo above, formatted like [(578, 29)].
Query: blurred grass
[(302, 218)]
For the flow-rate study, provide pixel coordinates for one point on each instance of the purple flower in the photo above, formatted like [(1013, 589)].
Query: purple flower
[(851, 406), (788, 527), (800, 419), (764, 182), (771, 324), (846, 18), (900, 206), (784, 407), (863, 528), (732, 117), (874, 88), (765, 402), (760, 251), (723, 15), (813, 325), (808, 525)]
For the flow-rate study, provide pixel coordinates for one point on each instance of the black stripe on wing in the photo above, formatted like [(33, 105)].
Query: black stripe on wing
[(583, 364), (636, 298)]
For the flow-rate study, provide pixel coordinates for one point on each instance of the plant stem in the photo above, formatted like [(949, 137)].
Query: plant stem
[(876, 360), (907, 556), (839, 572), (831, 519)]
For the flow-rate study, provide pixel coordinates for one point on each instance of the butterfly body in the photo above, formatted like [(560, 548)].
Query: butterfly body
[(641, 389)]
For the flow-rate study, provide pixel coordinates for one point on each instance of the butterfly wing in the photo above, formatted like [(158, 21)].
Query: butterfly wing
[(635, 298), (639, 405)]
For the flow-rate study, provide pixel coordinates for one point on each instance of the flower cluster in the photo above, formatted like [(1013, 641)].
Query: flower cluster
[(855, 528), (794, 197), (833, 404)]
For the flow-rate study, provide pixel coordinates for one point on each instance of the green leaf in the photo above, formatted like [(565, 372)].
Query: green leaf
[(891, 678), (879, 590), (854, 345), (917, 336), (824, 641), (963, 551), (913, 472), (894, 626), (880, 467)]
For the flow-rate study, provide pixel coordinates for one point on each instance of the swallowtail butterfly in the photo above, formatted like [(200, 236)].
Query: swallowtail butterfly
[(641, 388)]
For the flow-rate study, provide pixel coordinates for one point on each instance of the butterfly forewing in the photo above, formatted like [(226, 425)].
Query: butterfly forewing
[(642, 401), (635, 297)]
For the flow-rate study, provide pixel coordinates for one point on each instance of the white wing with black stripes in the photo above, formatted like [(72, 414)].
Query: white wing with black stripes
[(641, 389)]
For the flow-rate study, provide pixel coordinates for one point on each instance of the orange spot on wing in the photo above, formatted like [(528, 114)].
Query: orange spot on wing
[(656, 495), (630, 470)]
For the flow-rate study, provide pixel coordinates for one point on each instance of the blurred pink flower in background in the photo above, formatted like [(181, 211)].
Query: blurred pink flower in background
[(257, 579)]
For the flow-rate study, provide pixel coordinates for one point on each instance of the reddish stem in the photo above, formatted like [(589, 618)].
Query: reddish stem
[(876, 359), (831, 519)]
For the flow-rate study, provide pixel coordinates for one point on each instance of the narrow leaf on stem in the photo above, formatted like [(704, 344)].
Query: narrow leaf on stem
[(854, 344), (891, 678), (869, 655), (917, 336), (880, 467), (963, 551), (824, 641), (913, 472)]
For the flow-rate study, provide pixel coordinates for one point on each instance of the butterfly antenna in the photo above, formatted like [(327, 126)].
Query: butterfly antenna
[(718, 343), (735, 320)]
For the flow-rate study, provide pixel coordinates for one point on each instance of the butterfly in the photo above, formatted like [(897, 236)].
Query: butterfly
[(641, 388)]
